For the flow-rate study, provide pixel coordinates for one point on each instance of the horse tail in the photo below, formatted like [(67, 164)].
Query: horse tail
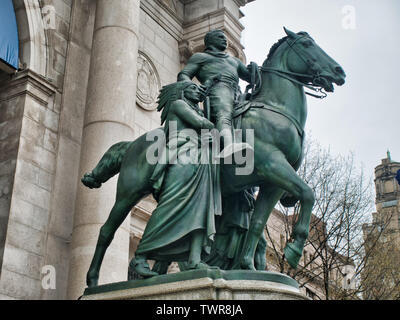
[(108, 166)]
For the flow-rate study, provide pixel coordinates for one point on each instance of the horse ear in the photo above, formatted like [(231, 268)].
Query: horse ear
[(291, 34)]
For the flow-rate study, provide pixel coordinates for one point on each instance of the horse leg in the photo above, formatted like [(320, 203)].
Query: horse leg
[(119, 212), (280, 173), (266, 200), (260, 257)]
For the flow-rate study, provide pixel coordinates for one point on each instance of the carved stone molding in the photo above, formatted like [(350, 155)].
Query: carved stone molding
[(148, 83), (195, 30), (172, 4)]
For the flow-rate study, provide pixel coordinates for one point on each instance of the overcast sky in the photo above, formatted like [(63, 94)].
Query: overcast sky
[(362, 116)]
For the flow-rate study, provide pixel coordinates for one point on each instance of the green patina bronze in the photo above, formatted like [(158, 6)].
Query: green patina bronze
[(219, 72), (187, 224), (196, 274)]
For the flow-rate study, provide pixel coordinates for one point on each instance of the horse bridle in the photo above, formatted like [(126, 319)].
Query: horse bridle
[(314, 82)]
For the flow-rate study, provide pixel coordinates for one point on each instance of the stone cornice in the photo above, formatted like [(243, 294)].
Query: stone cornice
[(222, 11), (187, 1), (28, 82), (195, 30), (242, 3), (167, 19)]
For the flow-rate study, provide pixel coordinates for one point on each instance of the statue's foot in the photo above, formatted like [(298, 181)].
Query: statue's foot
[(92, 279), (293, 254), (247, 264), (89, 181), (233, 148), (142, 268)]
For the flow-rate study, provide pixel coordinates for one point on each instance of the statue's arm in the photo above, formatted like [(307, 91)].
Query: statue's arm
[(189, 116), (192, 67), (243, 71)]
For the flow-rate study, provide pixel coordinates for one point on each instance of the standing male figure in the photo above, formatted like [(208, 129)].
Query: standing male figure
[(214, 65)]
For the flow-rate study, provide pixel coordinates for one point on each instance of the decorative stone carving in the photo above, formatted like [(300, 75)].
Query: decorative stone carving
[(186, 49), (172, 4), (148, 83)]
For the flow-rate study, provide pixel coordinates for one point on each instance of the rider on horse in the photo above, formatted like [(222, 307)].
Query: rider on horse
[(220, 73)]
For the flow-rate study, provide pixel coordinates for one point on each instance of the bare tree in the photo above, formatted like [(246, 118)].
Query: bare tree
[(380, 279), (335, 254)]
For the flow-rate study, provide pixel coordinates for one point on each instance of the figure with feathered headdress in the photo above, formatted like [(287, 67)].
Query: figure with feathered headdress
[(182, 227)]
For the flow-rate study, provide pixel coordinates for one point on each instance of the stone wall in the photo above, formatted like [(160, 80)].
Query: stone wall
[(158, 47), (11, 110), (44, 115), (35, 159), (66, 178), (34, 96)]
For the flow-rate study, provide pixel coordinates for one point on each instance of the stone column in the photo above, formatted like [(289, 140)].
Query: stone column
[(108, 119)]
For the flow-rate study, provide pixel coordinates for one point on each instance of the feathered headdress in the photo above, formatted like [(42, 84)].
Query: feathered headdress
[(169, 94)]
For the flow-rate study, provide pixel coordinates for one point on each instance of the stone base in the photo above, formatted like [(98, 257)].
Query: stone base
[(210, 284)]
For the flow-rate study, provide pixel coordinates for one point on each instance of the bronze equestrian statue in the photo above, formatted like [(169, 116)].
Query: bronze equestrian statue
[(277, 115)]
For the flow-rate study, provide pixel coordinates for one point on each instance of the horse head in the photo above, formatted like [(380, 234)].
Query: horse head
[(301, 58), (306, 57)]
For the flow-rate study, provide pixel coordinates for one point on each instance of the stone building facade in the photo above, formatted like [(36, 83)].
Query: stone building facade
[(386, 219), (381, 276), (89, 75), (310, 271)]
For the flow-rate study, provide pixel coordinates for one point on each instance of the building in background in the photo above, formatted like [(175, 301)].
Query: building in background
[(381, 278), (317, 260), (88, 76), (387, 215)]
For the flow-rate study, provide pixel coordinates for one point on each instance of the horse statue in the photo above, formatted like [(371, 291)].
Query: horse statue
[(277, 112)]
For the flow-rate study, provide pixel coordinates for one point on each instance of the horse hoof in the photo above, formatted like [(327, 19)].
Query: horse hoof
[(292, 255), (89, 181), (142, 268), (92, 281)]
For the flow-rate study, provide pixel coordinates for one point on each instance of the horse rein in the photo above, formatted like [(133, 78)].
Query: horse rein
[(313, 82)]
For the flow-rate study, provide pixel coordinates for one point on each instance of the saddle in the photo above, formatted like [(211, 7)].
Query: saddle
[(243, 106)]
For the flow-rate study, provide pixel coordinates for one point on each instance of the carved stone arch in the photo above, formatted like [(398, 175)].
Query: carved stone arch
[(32, 36)]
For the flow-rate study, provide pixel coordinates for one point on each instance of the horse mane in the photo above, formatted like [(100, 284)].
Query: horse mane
[(279, 42), (275, 47)]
